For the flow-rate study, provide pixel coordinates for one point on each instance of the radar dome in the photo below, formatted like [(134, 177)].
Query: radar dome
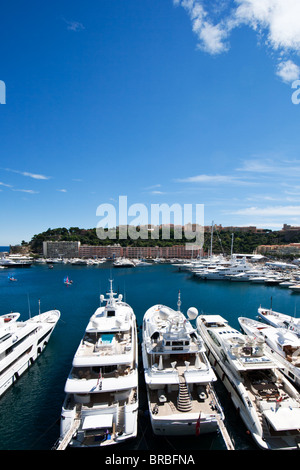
[(164, 313), (192, 313)]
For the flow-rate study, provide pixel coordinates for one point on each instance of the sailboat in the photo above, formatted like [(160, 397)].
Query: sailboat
[(68, 281)]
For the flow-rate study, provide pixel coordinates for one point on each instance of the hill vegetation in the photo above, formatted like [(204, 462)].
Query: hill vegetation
[(243, 242)]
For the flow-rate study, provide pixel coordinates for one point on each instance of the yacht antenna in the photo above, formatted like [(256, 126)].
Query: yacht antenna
[(211, 238), (39, 306)]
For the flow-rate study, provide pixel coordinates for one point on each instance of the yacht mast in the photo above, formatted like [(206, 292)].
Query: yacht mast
[(211, 238)]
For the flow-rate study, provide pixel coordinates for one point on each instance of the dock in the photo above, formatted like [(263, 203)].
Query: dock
[(228, 442)]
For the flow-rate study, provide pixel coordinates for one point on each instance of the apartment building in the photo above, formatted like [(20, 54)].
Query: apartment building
[(61, 249)]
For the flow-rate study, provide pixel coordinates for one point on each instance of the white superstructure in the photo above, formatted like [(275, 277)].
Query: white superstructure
[(21, 342), (101, 404), (281, 342), (123, 263), (279, 320), (267, 402), (178, 376)]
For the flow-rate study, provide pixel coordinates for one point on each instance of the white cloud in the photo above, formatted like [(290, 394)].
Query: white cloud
[(29, 191), (276, 21), (288, 71), (62, 190), (211, 36), (6, 185), (31, 175), (279, 18), (218, 179), (290, 168), (269, 211), (74, 25)]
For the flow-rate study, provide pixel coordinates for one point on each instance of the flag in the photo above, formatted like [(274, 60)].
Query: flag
[(198, 425)]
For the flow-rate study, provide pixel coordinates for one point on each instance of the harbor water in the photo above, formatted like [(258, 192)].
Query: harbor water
[(30, 409)]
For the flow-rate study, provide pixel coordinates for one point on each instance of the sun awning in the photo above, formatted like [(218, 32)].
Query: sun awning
[(283, 418), (97, 421)]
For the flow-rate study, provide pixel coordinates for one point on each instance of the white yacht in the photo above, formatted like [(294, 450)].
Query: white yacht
[(295, 287), (123, 263), (101, 403), (280, 320), (78, 262), (15, 262), (282, 343), (224, 272), (268, 403), (21, 342), (178, 376)]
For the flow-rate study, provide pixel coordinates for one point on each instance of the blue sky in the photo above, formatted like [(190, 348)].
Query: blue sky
[(164, 101)]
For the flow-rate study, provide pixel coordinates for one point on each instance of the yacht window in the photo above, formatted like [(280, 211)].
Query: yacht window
[(214, 338), (5, 337), (110, 313)]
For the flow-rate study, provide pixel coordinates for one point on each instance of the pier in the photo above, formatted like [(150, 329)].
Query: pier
[(228, 442)]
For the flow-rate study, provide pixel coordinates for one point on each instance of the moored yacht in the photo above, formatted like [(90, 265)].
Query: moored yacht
[(21, 342), (279, 319), (282, 343), (101, 403), (178, 376), (224, 272), (123, 263), (268, 403)]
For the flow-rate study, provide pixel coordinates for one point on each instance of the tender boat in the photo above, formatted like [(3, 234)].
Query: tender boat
[(282, 343), (178, 376), (268, 403), (278, 319), (101, 403), (21, 343)]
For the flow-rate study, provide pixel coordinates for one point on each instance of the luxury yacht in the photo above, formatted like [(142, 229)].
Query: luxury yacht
[(101, 403), (15, 262), (282, 343), (280, 320), (224, 272), (178, 376), (268, 403), (123, 263), (21, 342)]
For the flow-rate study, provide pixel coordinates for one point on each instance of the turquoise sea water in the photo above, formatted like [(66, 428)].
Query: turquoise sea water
[(30, 410)]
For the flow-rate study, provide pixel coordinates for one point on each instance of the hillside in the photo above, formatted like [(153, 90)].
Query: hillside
[(244, 242)]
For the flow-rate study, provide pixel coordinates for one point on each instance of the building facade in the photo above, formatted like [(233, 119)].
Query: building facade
[(290, 249), (116, 251), (61, 249)]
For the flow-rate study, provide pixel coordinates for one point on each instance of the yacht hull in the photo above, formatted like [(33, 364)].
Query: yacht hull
[(254, 414), (23, 357)]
